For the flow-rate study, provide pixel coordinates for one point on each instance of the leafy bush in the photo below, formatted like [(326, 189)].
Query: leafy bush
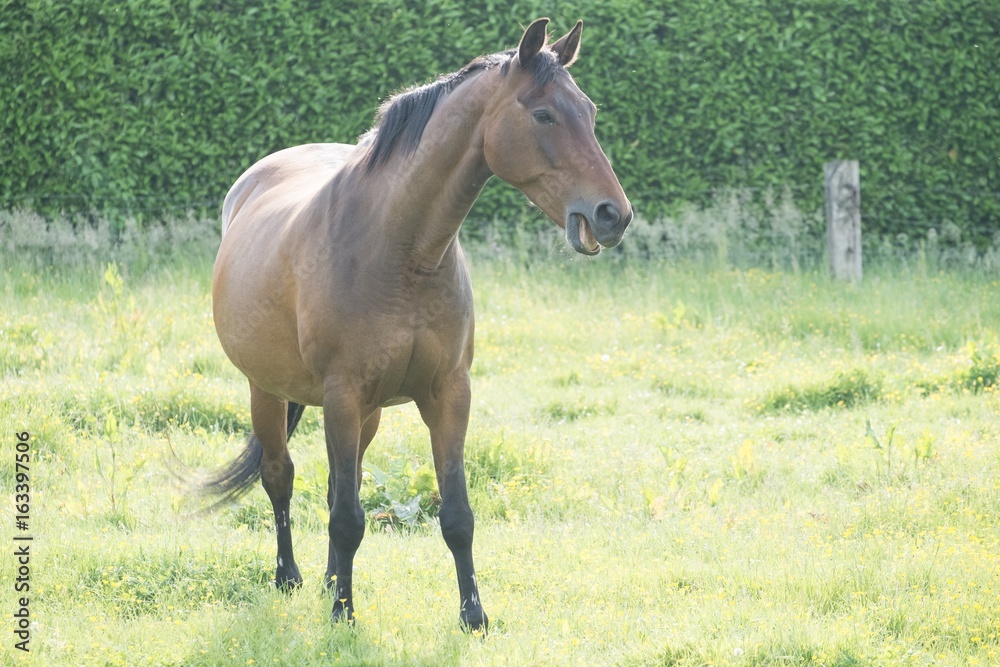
[(845, 390), (984, 371), (404, 497), (146, 108), (980, 373)]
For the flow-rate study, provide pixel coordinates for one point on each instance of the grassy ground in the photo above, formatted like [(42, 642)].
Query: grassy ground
[(670, 466)]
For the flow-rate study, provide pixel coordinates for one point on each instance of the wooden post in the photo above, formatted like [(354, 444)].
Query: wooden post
[(842, 184)]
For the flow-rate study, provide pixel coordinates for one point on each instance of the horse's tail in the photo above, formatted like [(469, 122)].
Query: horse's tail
[(238, 476)]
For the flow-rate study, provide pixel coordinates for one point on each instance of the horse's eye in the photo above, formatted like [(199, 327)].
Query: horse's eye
[(544, 117)]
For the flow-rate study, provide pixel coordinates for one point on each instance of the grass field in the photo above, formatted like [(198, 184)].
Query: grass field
[(670, 465)]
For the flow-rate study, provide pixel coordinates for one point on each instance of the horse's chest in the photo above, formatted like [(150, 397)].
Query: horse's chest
[(409, 353)]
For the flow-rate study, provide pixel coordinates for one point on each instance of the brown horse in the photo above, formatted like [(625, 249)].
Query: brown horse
[(340, 281)]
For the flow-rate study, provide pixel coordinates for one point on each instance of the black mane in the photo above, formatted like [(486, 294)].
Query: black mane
[(401, 120)]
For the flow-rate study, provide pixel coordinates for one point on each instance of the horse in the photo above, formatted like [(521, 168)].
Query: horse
[(340, 282)]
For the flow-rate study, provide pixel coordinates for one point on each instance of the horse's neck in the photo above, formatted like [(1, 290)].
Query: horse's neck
[(426, 194)]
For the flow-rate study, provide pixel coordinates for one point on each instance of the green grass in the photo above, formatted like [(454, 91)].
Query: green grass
[(670, 465)]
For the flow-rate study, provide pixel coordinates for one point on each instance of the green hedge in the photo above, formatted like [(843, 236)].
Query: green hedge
[(148, 106)]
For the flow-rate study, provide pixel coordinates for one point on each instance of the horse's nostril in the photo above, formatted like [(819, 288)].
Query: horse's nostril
[(607, 216)]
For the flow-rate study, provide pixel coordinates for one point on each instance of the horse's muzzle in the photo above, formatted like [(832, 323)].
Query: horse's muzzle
[(587, 234), (610, 223)]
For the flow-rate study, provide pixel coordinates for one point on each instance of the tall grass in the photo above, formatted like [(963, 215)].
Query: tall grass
[(745, 228), (32, 241), (673, 461)]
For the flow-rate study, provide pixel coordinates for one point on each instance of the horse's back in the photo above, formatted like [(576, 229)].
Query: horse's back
[(283, 180)]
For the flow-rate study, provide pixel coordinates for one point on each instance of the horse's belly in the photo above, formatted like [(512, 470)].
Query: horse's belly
[(257, 329), (269, 357)]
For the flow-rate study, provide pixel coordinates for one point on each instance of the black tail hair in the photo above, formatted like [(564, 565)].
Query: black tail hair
[(238, 476)]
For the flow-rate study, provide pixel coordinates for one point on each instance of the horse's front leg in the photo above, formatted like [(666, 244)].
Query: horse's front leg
[(342, 423), (368, 430), (447, 418)]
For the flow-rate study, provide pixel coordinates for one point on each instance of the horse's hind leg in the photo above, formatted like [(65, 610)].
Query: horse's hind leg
[(277, 473), (368, 430), (447, 418)]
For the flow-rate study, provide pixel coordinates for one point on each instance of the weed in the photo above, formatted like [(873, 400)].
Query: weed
[(845, 390), (676, 388), (405, 496), (923, 450), (110, 472), (675, 473), (572, 379), (884, 450), (744, 462), (123, 316), (570, 411), (984, 368)]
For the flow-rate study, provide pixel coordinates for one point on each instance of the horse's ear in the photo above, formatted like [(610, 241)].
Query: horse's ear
[(568, 46), (532, 41)]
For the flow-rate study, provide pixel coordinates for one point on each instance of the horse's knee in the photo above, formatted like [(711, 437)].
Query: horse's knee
[(277, 475), (347, 528), (457, 525)]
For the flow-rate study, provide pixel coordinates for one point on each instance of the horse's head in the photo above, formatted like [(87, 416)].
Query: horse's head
[(539, 137)]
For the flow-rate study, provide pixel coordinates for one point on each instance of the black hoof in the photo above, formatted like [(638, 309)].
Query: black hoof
[(475, 621), (288, 580), (342, 614)]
